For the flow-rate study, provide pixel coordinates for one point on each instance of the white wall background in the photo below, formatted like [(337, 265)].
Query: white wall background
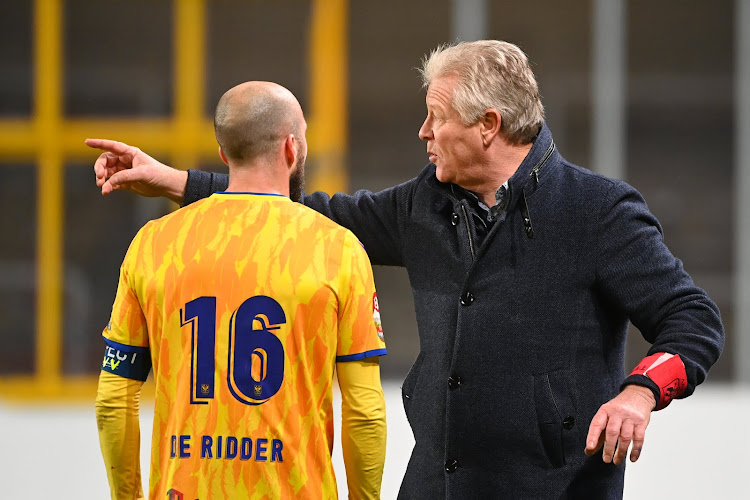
[(695, 449)]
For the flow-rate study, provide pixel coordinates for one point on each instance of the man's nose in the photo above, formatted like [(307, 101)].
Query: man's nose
[(425, 131)]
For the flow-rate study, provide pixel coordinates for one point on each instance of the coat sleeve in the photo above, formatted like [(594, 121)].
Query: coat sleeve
[(637, 273), (202, 184), (378, 220)]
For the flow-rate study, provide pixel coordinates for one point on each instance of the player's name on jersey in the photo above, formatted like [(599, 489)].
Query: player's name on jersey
[(228, 448)]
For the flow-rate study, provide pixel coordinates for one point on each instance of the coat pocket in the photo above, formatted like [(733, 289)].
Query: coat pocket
[(410, 384), (556, 416)]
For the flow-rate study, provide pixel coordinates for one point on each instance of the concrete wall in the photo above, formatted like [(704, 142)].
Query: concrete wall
[(696, 449)]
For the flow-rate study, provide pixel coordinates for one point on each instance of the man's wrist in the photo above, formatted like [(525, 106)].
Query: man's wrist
[(176, 188), (645, 392), (663, 373)]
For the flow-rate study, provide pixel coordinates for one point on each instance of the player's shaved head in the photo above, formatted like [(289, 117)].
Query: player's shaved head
[(253, 117)]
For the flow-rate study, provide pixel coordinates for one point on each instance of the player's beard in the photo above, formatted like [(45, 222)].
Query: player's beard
[(297, 179)]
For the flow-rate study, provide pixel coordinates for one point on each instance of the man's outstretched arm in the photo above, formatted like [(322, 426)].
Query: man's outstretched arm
[(375, 218)]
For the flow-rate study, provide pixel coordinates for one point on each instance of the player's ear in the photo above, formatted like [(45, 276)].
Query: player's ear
[(290, 150), (223, 157)]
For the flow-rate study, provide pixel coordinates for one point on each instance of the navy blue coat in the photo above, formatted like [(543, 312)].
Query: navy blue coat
[(522, 337)]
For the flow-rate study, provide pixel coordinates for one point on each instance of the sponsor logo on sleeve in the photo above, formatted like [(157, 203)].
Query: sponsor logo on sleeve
[(376, 316)]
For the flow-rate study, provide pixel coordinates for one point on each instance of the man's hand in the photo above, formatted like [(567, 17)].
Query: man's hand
[(127, 167), (624, 418)]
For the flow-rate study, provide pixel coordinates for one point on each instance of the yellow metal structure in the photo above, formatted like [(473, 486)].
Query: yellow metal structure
[(50, 140)]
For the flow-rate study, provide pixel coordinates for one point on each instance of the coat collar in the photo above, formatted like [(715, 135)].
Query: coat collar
[(534, 168)]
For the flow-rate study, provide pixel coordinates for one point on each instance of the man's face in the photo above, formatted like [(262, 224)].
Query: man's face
[(453, 147)]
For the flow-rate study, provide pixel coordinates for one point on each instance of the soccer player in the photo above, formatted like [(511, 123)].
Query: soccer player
[(243, 304)]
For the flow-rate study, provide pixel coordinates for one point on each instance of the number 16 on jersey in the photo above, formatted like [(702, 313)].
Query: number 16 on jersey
[(255, 355)]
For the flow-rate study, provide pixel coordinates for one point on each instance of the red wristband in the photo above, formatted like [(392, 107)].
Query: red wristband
[(668, 373)]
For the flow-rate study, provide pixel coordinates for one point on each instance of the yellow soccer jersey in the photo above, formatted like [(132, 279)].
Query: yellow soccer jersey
[(243, 303)]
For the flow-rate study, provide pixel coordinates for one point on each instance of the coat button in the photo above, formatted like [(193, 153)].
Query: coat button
[(451, 466), (454, 218), (454, 381), (569, 422), (467, 299)]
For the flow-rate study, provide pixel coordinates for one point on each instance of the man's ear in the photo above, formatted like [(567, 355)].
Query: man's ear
[(290, 150), (223, 156), (489, 125)]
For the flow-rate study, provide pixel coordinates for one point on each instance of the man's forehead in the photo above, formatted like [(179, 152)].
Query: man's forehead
[(440, 91)]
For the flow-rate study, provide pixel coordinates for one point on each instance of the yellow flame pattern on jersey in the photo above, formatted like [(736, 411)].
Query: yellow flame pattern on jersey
[(233, 247)]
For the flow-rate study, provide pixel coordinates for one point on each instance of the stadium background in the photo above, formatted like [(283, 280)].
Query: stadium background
[(657, 93)]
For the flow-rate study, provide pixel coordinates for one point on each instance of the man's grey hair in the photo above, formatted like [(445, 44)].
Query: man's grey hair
[(491, 74)]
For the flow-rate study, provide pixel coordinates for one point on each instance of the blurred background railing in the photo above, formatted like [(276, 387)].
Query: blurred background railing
[(103, 70), (652, 92)]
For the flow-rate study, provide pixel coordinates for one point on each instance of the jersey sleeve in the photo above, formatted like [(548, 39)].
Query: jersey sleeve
[(363, 426), (126, 335), (117, 410), (360, 333)]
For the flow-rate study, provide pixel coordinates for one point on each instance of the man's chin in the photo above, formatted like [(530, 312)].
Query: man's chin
[(442, 175)]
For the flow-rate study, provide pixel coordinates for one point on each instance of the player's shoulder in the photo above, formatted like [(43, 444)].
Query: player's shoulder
[(308, 216), (176, 217), (325, 227)]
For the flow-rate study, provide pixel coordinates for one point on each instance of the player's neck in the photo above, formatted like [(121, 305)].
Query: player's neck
[(257, 180)]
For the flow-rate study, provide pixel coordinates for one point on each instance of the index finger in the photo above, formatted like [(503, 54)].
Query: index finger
[(595, 439), (118, 148)]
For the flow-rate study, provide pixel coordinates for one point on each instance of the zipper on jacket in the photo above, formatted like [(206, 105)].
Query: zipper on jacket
[(526, 217), (541, 162), (468, 232)]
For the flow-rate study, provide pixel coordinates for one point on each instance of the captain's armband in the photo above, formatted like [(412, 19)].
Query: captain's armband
[(127, 361)]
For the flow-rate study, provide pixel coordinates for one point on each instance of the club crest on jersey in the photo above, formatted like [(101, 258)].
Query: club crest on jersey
[(258, 390), (376, 316), (173, 494), (205, 388)]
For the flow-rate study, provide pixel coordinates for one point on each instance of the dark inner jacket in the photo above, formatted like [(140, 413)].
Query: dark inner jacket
[(522, 325)]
